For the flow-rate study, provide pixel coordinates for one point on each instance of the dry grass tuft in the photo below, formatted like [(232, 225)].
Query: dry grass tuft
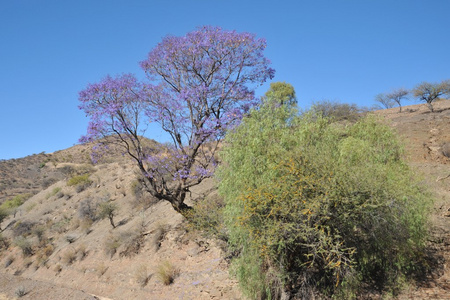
[(141, 275), (166, 272), (69, 256)]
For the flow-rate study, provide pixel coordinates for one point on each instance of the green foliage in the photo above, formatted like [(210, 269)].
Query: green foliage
[(107, 210), (54, 191), (207, 216), (430, 92), (79, 179), (282, 93), (314, 204), (81, 182), (15, 202)]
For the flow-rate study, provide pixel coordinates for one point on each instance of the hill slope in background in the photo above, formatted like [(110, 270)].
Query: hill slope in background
[(75, 257)]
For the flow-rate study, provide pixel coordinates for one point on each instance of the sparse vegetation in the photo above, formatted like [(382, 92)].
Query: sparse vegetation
[(71, 238), (108, 210), (29, 207), (166, 272), (62, 225), (58, 268), (158, 234), (142, 199), (87, 211), (43, 254), (10, 206), (101, 269), (336, 111), (430, 92), (133, 242), (111, 244), (25, 245), (207, 217), (141, 275), (396, 96), (54, 191), (23, 228), (82, 251), (80, 182), (39, 232), (20, 291), (69, 256)]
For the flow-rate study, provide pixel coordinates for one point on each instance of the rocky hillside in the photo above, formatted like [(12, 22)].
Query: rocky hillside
[(57, 237), (58, 244)]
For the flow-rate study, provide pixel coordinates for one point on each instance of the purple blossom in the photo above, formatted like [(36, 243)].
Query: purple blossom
[(199, 86)]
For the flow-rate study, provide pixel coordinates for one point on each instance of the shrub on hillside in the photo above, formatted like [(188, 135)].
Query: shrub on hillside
[(338, 111), (81, 182), (87, 211), (316, 207), (25, 245), (13, 203), (207, 216), (142, 199), (23, 228), (108, 210)]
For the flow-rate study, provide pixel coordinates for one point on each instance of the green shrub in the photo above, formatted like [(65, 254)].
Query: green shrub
[(108, 210), (207, 217), (81, 182), (55, 191), (315, 206), (15, 202)]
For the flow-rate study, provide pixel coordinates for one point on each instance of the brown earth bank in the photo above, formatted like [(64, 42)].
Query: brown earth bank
[(74, 258)]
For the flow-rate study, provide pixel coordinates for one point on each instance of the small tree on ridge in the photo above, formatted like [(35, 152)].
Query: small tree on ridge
[(429, 92)]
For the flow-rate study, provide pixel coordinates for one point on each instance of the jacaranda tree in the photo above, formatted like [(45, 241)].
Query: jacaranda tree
[(198, 86)]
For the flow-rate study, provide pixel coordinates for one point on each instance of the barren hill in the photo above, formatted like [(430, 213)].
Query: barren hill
[(55, 247)]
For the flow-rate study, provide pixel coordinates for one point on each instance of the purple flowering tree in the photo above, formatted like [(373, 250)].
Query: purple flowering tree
[(198, 87)]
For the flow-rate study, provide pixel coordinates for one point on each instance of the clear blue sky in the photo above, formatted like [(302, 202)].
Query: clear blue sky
[(337, 49)]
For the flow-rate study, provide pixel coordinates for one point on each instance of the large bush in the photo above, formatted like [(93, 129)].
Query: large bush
[(317, 207)]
